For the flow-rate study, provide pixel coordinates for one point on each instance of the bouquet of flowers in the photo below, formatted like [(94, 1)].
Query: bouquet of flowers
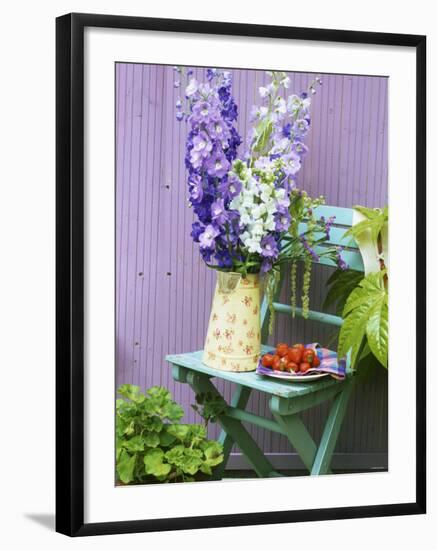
[(248, 206)]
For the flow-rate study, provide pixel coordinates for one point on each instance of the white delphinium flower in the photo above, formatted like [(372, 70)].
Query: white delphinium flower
[(279, 109), (192, 87), (281, 146), (286, 82), (296, 104), (266, 192)]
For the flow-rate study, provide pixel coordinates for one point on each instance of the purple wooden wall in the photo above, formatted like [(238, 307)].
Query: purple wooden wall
[(164, 291)]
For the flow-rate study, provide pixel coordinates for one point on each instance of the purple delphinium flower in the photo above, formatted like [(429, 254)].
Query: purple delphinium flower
[(195, 189), (206, 254), (292, 165), (308, 248), (286, 130), (327, 225), (299, 148), (340, 262), (211, 149), (282, 220), (203, 209), (269, 247), (201, 149), (212, 144), (301, 127), (218, 212), (207, 238), (230, 187), (196, 230), (205, 112), (223, 258), (218, 129), (217, 164)]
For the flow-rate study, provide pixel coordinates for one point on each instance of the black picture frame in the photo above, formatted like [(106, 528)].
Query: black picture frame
[(70, 272)]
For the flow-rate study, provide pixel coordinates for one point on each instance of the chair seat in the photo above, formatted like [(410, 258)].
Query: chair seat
[(193, 361)]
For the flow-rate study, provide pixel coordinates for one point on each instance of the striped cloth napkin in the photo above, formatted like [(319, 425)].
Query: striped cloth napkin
[(329, 363)]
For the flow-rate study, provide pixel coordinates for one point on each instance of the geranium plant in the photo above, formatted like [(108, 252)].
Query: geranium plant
[(248, 206), (153, 446)]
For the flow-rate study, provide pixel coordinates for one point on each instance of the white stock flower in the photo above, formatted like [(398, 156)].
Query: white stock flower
[(258, 211), (253, 245), (257, 229), (270, 224)]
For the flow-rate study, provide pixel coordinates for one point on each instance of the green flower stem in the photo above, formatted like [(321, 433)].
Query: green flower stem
[(293, 277)]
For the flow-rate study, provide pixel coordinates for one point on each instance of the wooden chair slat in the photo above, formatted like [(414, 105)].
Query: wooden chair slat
[(312, 315)]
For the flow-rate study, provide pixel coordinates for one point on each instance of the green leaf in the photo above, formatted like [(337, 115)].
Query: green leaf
[(134, 444), (377, 331), (173, 412), (175, 455), (365, 314), (213, 405), (125, 467), (376, 219), (154, 464), (158, 392), (166, 439), (179, 431), (192, 460), (212, 449), (352, 332), (152, 439), (131, 392), (341, 283), (206, 469)]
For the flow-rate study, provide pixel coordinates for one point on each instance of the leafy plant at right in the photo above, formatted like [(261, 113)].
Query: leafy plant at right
[(365, 317), (362, 300)]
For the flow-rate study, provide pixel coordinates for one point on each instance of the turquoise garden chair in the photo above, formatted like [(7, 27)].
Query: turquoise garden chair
[(286, 399)]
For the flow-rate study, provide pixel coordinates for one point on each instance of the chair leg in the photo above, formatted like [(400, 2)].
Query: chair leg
[(298, 436), (239, 400), (331, 431)]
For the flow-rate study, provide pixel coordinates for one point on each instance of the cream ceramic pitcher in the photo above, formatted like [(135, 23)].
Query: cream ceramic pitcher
[(233, 340)]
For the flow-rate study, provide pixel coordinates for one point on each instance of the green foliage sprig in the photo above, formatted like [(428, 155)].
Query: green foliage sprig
[(306, 233), (209, 406), (153, 446)]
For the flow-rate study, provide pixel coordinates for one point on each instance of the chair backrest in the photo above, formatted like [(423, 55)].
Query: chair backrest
[(350, 254)]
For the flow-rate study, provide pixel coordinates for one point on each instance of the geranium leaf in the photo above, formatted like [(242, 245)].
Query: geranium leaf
[(125, 467), (154, 463), (152, 439), (134, 444), (180, 431), (165, 438)]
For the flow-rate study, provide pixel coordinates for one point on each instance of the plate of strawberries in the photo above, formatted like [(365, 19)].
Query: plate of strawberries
[(297, 362)]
